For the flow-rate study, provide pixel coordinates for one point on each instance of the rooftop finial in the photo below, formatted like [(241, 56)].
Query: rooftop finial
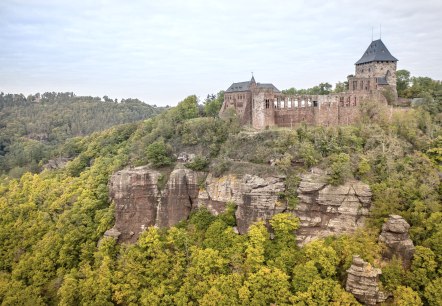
[(253, 79)]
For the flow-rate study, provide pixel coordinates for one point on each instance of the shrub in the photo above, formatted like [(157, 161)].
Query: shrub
[(158, 154), (339, 169)]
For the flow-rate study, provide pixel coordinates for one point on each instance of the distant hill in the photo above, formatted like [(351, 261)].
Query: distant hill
[(30, 127)]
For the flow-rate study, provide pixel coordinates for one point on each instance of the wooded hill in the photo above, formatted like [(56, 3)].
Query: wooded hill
[(51, 222), (31, 127)]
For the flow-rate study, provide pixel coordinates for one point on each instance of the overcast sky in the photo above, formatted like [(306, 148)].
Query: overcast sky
[(161, 51)]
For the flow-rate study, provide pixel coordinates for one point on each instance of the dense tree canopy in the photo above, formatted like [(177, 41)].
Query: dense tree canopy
[(31, 127), (52, 223)]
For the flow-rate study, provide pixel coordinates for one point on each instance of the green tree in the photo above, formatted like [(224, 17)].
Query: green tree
[(212, 104), (405, 296), (433, 293), (159, 154), (402, 81), (265, 287), (340, 169)]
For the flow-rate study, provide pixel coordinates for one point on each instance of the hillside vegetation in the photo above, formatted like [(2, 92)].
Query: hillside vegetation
[(52, 222), (32, 127)]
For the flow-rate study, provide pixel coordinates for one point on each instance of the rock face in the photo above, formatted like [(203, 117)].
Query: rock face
[(256, 197), (323, 209), (56, 163), (362, 282), (327, 210), (178, 198), (139, 203), (395, 236), (135, 194)]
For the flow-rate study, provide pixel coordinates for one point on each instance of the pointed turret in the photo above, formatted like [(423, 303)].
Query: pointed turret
[(252, 81), (377, 51)]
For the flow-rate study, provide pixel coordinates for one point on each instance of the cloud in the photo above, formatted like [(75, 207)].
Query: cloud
[(160, 51)]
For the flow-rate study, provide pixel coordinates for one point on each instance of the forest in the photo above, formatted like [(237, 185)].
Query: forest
[(52, 250), (32, 127)]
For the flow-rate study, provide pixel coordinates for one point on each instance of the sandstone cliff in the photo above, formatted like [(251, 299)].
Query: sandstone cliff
[(256, 197), (139, 203), (323, 209), (326, 210), (362, 282), (395, 236)]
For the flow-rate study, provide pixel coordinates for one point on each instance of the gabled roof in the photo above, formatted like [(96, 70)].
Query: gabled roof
[(377, 51), (245, 86), (267, 86), (240, 86)]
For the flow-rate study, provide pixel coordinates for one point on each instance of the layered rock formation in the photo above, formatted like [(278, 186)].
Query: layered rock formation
[(139, 203), (323, 209), (362, 282), (327, 210), (395, 236), (178, 198), (256, 197)]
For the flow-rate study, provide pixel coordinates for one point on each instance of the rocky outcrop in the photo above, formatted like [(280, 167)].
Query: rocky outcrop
[(329, 210), (139, 203), (323, 209), (56, 163), (256, 197), (362, 282), (178, 198), (135, 194), (395, 236)]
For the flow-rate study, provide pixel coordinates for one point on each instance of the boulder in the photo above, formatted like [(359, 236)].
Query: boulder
[(362, 282), (395, 236)]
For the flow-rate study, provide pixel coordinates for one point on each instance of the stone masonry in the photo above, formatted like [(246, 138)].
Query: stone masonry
[(263, 105)]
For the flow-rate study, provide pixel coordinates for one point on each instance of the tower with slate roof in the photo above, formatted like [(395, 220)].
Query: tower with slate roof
[(375, 70), (262, 105)]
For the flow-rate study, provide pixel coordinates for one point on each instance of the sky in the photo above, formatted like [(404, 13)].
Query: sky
[(161, 51)]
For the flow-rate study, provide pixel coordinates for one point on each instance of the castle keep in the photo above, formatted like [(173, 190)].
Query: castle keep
[(263, 105)]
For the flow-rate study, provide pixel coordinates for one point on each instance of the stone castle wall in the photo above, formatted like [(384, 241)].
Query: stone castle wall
[(270, 109)]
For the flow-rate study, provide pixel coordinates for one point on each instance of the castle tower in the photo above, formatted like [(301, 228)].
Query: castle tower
[(375, 70)]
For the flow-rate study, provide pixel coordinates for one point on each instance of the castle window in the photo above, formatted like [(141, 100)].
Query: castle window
[(296, 103), (289, 103), (275, 104), (341, 101), (282, 104), (302, 103), (354, 101), (315, 103), (267, 103), (362, 85)]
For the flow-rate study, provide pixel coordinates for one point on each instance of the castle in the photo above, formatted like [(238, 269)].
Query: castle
[(263, 105)]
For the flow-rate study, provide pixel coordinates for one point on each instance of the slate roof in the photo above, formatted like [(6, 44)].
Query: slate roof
[(267, 86), (377, 51), (240, 86), (245, 86)]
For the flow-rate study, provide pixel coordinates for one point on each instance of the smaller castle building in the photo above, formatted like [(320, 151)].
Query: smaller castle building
[(262, 105)]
